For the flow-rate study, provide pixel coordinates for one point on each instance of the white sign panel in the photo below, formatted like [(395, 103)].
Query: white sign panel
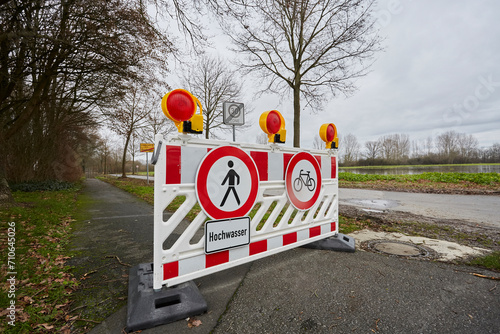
[(233, 113), (226, 234)]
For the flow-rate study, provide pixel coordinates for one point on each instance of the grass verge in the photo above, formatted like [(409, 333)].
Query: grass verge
[(35, 231), (475, 178), (453, 183), (490, 261), (418, 166)]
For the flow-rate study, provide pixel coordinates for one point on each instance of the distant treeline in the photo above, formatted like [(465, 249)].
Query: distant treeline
[(398, 149)]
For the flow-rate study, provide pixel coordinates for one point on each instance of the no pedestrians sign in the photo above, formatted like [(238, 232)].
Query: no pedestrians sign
[(227, 183)]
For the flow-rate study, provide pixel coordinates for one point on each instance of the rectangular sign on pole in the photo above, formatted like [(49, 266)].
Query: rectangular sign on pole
[(233, 113), (226, 233), (147, 147)]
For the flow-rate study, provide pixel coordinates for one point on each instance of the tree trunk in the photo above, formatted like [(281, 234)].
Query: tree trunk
[(207, 126), (124, 157), (296, 115), (5, 193)]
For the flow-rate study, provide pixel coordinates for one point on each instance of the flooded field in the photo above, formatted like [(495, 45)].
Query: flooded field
[(490, 168)]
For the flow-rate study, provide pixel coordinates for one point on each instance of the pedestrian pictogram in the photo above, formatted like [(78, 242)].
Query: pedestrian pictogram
[(227, 183), (230, 178), (303, 180)]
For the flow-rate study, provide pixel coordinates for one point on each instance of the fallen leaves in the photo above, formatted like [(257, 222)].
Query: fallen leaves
[(46, 326), (193, 322), (45, 282)]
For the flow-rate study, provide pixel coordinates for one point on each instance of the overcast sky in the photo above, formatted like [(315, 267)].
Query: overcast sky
[(440, 71)]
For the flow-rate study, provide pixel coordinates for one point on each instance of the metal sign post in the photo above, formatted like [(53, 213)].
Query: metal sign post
[(233, 114), (147, 148)]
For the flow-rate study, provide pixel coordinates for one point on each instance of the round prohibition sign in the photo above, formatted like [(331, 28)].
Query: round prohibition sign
[(303, 181), (227, 183)]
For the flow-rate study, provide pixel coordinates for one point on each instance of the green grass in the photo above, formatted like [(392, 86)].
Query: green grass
[(477, 178), (43, 283), (418, 166), (151, 174), (348, 225), (490, 261)]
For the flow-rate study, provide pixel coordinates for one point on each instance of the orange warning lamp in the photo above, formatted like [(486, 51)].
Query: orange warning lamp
[(273, 123), (180, 106), (328, 133)]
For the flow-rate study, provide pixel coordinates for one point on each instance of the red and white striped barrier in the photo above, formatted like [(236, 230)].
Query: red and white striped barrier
[(186, 166), (183, 161)]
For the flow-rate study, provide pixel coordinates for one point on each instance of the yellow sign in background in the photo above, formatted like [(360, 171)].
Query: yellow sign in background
[(147, 147)]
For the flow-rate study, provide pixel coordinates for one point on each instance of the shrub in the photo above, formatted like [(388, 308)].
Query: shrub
[(51, 185)]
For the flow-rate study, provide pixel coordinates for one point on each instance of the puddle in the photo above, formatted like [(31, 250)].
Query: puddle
[(372, 204)]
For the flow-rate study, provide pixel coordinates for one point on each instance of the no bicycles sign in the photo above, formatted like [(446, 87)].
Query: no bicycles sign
[(303, 181)]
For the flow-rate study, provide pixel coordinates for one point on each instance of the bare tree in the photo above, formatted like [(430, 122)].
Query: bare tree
[(60, 61), (469, 148), (395, 147), (156, 123), (349, 147), (308, 47), (130, 116), (372, 149), (455, 147), (429, 145), (262, 139), (213, 83), (318, 143), (492, 154), (448, 145)]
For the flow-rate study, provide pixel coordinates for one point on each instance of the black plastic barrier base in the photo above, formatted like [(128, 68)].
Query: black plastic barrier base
[(339, 243), (148, 308)]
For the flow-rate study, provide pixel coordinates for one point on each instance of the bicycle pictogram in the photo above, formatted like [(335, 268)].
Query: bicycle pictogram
[(299, 182)]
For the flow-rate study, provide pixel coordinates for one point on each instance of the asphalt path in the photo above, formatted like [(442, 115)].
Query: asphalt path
[(478, 209), (297, 291)]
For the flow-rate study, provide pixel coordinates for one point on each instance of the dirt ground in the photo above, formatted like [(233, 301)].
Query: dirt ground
[(460, 231), (425, 186)]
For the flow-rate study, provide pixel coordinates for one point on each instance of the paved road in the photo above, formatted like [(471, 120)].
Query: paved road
[(298, 291), (116, 233), (477, 209)]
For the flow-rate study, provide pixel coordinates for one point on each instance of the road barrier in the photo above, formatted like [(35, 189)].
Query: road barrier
[(245, 202)]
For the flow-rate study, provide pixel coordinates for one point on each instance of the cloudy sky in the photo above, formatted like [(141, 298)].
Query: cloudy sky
[(440, 71)]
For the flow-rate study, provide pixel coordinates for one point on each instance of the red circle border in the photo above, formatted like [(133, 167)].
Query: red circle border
[(298, 204), (201, 182)]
